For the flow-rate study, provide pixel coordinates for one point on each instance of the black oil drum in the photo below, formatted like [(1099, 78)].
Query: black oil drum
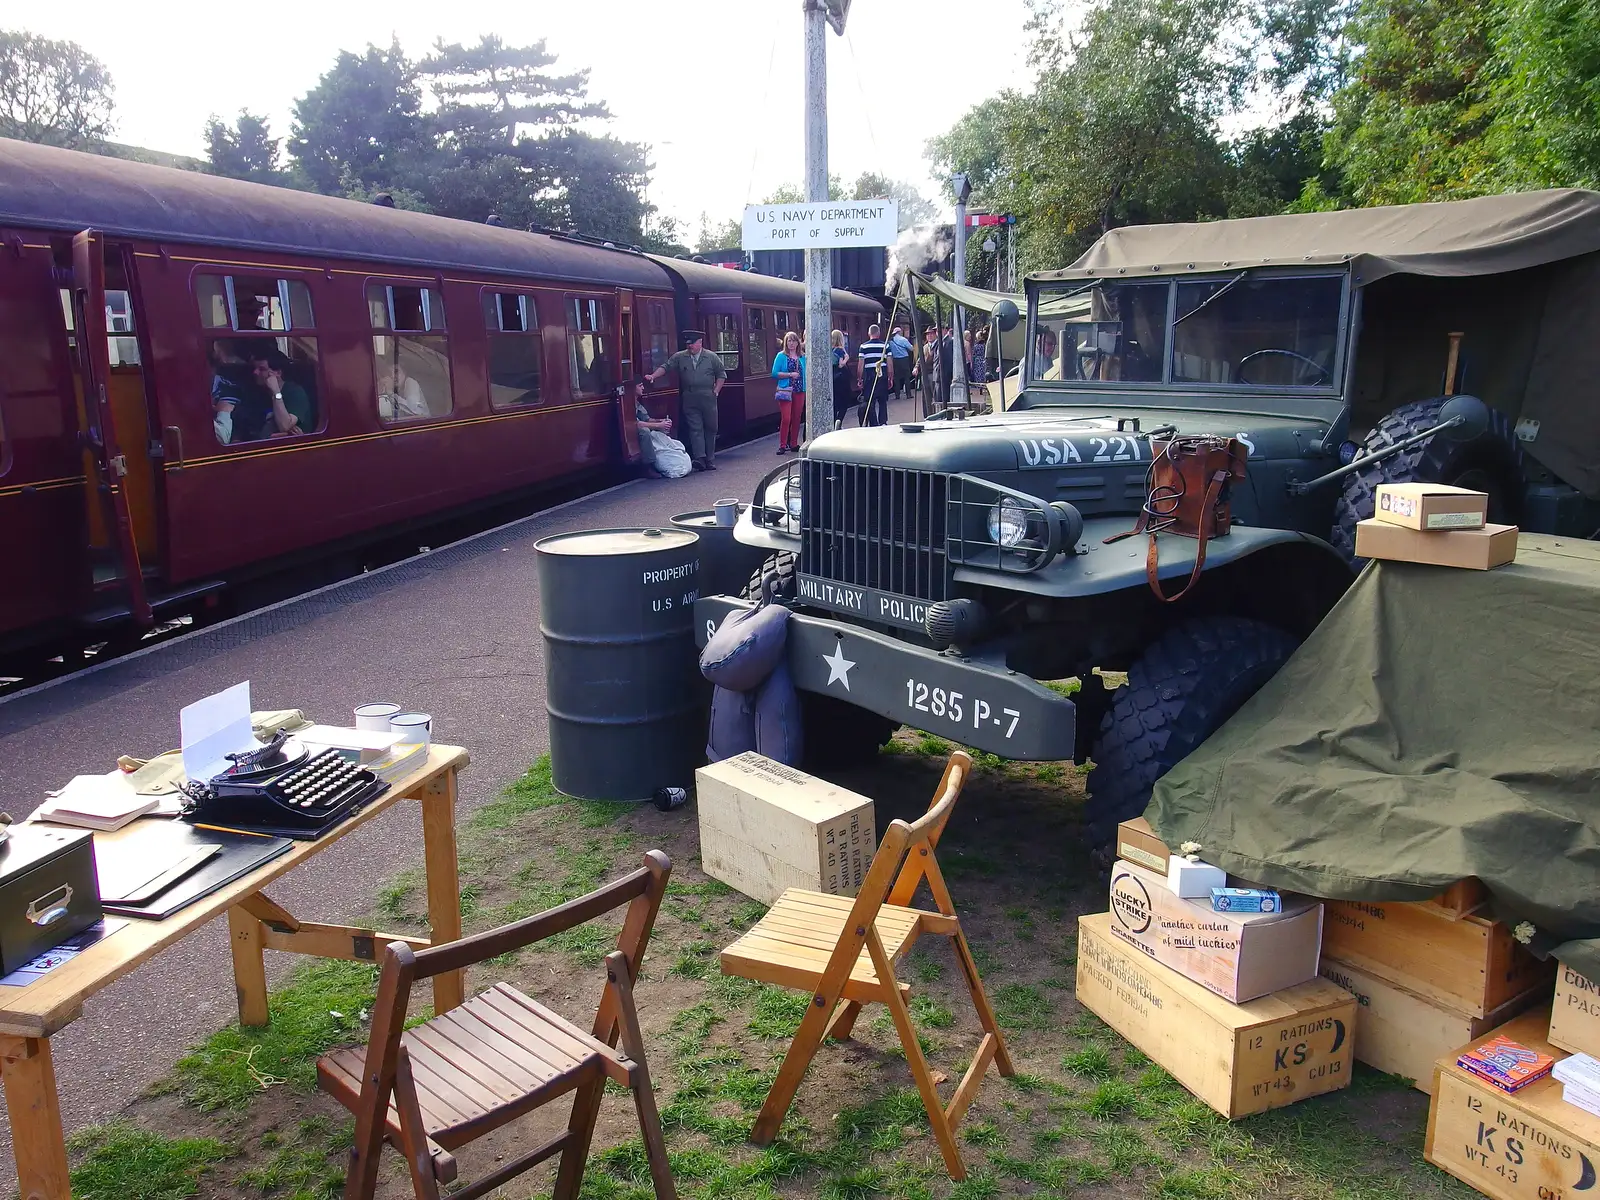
[(726, 564), (616, 608)]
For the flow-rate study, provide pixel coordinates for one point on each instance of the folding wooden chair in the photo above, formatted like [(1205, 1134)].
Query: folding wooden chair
[(813, 941), (499, 1056)]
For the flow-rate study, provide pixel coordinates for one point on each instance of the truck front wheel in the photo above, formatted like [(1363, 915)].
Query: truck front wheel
[(1184, 686)]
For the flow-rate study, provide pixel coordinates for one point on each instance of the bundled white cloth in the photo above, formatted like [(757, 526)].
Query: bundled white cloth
[(671, 458)]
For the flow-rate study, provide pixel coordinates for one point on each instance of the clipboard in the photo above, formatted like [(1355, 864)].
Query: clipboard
[(181, 853)]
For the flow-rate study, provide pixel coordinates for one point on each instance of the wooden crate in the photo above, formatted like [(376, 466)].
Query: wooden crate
[(1575, 1016), (765, 827), (1530, 1146), (1403, 1033), (1238, 1058), (1239, 956), (1468, 963)]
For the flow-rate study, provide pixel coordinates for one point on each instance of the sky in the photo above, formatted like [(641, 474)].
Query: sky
[(714, 87)]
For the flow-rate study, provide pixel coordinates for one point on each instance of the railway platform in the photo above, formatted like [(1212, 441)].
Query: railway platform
[(453, 632)]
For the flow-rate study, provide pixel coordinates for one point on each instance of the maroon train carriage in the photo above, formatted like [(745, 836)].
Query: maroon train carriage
[(204, 378)]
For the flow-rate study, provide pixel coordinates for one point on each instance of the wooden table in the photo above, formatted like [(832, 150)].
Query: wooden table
[(29, 1015)]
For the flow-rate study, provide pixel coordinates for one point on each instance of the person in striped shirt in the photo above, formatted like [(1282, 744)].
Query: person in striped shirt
[(876, 379)]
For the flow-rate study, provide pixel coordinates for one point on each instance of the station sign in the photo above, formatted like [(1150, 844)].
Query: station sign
[(822, 225)]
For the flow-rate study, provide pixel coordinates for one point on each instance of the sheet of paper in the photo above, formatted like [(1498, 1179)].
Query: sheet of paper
[(68, 950), (214, 728)]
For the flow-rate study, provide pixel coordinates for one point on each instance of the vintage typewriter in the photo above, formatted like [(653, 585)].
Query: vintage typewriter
[(283, 790)]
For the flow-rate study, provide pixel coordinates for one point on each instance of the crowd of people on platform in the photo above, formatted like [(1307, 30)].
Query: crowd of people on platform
[(865, 378)]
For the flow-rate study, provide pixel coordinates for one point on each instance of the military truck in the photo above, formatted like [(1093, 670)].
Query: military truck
[(941, 571)]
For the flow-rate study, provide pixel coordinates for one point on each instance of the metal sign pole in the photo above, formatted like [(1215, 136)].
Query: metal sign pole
[(819, 267), (959, 399)]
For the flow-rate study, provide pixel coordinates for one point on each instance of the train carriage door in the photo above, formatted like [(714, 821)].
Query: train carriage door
[(627, 357), (110, 477)]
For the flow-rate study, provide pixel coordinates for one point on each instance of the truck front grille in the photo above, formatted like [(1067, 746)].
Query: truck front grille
[(877, 527)]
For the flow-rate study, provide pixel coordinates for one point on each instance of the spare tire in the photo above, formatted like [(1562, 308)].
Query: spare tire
[(776, 574), (1490, 463)]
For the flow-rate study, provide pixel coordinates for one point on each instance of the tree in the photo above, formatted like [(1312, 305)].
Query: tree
[(362, 123), (913, 210), (1547, 84), (975, 145), (487, 92), (721, 237), (791, 193), (600, 183), (54, 92), (244, 150)]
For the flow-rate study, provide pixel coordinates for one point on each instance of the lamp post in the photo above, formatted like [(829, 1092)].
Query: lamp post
[(958, 367)]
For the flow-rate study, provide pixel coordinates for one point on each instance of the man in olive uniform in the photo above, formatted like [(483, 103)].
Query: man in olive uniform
[(700, 379)]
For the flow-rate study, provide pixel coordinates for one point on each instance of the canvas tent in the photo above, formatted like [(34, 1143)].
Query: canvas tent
[(1401, 749)]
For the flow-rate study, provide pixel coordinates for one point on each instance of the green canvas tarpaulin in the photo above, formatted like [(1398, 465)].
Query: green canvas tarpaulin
[(1438, 724)]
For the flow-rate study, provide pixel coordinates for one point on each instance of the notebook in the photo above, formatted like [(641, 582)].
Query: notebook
[(156, 848)]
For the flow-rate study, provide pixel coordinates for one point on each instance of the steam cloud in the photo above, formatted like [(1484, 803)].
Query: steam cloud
[(917, 248)]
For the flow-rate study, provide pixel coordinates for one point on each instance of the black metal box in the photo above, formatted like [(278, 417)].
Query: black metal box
[(49, 891)]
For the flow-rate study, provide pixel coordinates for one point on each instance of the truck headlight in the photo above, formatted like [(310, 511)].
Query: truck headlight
[(783, 495), (1008, 522)]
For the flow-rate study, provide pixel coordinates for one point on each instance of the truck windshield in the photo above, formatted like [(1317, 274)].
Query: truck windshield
[(1275, 332)]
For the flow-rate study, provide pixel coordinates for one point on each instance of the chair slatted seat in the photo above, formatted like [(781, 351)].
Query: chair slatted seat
[(499, 1056), (843, 950)]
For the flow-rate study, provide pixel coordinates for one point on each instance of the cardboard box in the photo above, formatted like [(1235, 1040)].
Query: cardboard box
[(1468, 963), (1475, 549), (765, 827), (1194, 880), (1239, 956), (1403, 1033), (1530, 1146), (1238, 1058), (1431, 506), (1575, 1015), (1138, 843)]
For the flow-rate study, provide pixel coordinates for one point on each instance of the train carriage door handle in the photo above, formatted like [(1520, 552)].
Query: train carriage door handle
[(119, 465), (172, 445)]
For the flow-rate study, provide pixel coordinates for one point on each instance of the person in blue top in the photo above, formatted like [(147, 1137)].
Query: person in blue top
[(900, 361), (789, 369)]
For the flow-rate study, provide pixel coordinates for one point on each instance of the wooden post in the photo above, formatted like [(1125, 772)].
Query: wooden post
[(444, 883), (1452, 363), (37, 1142), (249, 966)]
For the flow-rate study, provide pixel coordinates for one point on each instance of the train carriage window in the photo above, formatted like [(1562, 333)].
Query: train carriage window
[(263, 387), (589, 345), (516, 350), (756, 339), (410, 352), (724, 338), (659, 340), (251, 303), (121, 346), (780, 322), (262, 356)]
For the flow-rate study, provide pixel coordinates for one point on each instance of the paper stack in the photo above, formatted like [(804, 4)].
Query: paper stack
[(1580, 1080), (398, 760), (104, 802)]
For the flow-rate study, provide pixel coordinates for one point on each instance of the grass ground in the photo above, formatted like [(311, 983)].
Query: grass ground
[(1086, 1115)]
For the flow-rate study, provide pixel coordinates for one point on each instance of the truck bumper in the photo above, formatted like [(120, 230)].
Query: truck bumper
[(975, 702)]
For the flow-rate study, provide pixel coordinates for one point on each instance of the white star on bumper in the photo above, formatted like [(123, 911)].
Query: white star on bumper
[(838, 666)]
